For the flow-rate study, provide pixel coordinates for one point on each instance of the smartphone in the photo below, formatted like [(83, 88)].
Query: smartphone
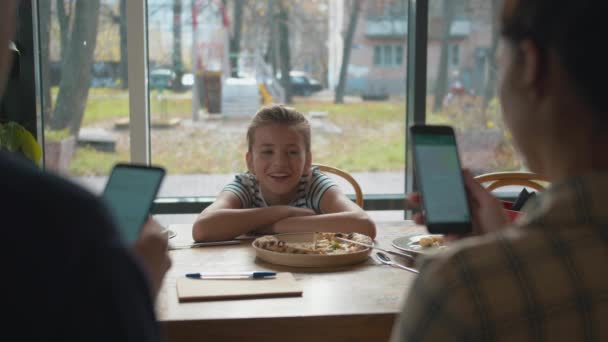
[(130, 193), (439, 178)]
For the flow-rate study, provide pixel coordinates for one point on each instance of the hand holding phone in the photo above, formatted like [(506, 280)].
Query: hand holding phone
[(439, 177), (151, 246), (130, 193), (487, 212)]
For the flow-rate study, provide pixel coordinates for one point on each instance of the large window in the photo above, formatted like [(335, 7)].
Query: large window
[(234, 57), (211, 64)]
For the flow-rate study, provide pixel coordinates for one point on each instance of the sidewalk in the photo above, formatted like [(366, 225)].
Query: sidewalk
[(212, 184)]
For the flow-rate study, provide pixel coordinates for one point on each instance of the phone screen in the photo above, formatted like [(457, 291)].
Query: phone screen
[(440, 179), (129, 193)]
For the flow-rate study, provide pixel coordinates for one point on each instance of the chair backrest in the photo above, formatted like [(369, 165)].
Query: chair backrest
[(517, 178), (347, 177)]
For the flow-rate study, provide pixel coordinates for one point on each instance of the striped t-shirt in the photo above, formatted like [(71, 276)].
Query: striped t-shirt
[(246, 187)]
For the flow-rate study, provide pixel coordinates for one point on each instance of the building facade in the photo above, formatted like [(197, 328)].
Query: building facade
[(378, 58)]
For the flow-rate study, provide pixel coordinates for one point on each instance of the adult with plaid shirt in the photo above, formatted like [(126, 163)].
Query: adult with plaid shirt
[(542, 278)]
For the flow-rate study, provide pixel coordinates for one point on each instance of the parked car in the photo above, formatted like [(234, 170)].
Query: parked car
[(161, 78), (302, 84), (103, 74), (103, 82)]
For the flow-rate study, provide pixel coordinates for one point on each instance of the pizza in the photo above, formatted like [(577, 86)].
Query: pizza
[(431, 241), (322, 244)]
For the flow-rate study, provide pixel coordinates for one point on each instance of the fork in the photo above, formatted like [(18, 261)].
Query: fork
[(385, 259)]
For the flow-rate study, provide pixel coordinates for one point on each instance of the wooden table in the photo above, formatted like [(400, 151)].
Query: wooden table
[(354, 303)]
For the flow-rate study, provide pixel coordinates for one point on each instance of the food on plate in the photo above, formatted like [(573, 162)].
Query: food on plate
[(322, 244), (431, 241)]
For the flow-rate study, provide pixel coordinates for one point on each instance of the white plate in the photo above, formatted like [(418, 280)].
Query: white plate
[(410, 243), (308, 260)]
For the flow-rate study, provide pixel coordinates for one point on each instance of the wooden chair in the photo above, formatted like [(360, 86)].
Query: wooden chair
[(496, 180), (347, 177)]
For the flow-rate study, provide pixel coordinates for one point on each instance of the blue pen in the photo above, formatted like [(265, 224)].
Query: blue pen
[(237, 275)]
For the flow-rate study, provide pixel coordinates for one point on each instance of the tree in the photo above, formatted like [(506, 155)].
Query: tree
[(284, 53), (44, 10), (441, 84), (118, 16), (76, 70), (348, 42), (270, 56), (178, 63), (235, 39), (63, 17), (490, 82), (124, 55)]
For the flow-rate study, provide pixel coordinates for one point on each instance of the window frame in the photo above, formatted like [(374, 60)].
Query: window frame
[(139, 92), (417, 44)]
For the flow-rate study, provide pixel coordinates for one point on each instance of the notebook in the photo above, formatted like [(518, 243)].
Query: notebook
[(192, 290)]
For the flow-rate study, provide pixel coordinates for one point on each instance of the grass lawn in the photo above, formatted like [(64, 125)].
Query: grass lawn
[(110, 103), (372, 136), (372, 139)]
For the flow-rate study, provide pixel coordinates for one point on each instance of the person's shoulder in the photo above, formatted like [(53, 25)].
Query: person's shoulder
[(35, 197), (317, 176), (26, 179), (315, 171), (480, 255), (242, 182), (454, 275), (245, 178)]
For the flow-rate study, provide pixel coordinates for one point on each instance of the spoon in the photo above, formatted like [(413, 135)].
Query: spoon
[(385, 259)]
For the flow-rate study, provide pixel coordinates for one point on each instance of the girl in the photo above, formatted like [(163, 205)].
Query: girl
[(280, 192)]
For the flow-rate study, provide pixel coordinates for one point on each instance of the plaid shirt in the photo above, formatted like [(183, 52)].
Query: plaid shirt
[(544, 279)]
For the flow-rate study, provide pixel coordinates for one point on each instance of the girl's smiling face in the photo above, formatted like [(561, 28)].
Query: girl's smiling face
[(278, 158)]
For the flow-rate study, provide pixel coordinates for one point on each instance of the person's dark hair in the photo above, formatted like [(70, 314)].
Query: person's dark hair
[(575, 30), (281, 115)]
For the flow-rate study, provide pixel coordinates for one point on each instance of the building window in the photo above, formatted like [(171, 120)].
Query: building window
[(388, 55), (378, 55)]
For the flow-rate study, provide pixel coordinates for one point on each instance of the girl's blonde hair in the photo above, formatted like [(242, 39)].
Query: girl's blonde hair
[(282, 115)]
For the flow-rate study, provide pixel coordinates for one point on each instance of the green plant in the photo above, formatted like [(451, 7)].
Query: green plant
[(15, 138)]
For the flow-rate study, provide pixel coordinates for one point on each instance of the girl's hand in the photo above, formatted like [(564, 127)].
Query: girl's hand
[(290, 212), (488, 214), (294, 212)]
